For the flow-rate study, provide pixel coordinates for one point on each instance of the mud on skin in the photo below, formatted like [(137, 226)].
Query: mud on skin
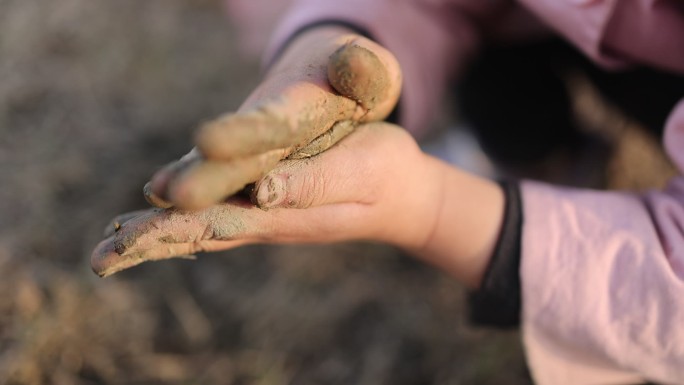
[(356, 73), (158, 234)]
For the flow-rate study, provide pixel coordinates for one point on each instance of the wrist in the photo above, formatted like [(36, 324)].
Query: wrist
[(466, 226), (409, 210), (311, 47)]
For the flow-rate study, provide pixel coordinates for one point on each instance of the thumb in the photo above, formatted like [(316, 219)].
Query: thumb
[(342, 174), (309, 183), (367, 73)]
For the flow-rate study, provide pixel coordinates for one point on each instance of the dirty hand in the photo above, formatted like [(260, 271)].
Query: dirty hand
[(375, 184), (326, 82)]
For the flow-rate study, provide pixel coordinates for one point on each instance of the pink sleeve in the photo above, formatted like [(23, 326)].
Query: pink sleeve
[(648, 31), (429, 38), (582, 22), (603, 280), (603, 272), (615, 33)]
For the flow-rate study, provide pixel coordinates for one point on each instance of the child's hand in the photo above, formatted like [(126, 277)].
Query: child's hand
[(375, 184), (325, 76)]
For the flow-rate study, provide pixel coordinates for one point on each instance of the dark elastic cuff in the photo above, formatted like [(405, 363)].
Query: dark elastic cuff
[(320, 23), (497, 302), (394, 115)]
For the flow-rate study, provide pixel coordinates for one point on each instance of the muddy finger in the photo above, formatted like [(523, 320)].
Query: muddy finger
[(156, 190), (299, 114), (244, 134), (210, 182), (368, 74), (328, 139), (105, 261), (162, 234), (360, 81)]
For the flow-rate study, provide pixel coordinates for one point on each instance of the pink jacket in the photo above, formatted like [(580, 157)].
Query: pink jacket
[(602, 272)]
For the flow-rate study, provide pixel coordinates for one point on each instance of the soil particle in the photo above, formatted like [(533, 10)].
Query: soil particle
[(119, 248), (167, 239), (125, 242)]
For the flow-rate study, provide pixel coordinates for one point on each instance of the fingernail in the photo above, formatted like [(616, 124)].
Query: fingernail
[(271, 191), (153, 198)]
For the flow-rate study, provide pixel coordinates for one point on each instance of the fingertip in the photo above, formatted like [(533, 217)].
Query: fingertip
[(189, 195), (105, 261), (158, 194), (211, 182), (210, 139), (357, 73), (200, 186), (270, 192), (366, 72), (158, 184), (154, 199)]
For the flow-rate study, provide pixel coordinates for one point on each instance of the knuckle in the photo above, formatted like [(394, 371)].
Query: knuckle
[(311, 191)]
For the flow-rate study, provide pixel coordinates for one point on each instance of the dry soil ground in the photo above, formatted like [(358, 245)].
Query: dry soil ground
[(94, 96)]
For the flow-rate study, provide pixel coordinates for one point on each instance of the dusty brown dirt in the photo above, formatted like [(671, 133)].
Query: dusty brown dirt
[(328, 139), (357, 73), (94, 97)]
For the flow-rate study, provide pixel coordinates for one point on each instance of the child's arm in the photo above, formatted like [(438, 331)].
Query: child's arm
[(603, 280), (375, 184), (602, 273)]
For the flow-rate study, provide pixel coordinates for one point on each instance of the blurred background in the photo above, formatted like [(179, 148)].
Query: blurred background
[(94, 97)]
